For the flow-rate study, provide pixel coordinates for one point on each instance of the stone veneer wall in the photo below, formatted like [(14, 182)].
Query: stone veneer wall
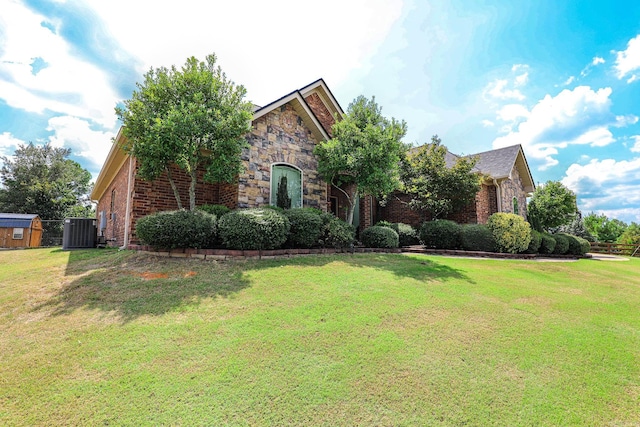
[(280, 137), (321, 112), (511, 188)]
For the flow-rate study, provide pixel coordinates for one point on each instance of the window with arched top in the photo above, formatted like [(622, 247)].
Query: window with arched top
[(515, 206), (286, 186)]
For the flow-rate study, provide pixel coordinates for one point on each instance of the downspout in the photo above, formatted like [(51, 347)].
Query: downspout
[(498, 194), (127, 216)]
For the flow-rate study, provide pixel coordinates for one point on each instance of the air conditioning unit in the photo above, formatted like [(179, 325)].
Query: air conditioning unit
[(79, 233)]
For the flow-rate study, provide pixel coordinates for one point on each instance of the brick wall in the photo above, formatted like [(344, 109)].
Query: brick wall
[(397, 210), (321, 112), (280, 137), (114, 204)]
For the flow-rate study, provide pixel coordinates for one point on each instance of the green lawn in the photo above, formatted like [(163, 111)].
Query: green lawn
[(100, 337)]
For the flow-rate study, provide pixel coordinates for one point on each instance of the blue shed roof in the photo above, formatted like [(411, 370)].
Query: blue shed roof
[(16, 220)]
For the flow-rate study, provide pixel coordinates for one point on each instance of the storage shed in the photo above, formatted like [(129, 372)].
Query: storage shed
[(20, 230)]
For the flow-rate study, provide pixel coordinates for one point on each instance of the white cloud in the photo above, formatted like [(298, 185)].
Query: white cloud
[(498, 90), (522, 79), (609, 186), (270, 47), (9, 143), (578, 116), (512, 112), (488, 123), (65, 85), (75, 133), (628, 60), (597, 60), (636, 146), (569, 81)]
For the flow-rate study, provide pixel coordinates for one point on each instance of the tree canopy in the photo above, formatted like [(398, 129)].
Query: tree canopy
[(193, 117), (41, 179), (364, 154), (552, 205), (603, 228), (434, 187)]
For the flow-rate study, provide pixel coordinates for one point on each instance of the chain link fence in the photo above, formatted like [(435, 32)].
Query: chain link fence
[(52, 231)]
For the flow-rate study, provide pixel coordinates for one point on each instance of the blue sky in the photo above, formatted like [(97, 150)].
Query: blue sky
[(562, 78)]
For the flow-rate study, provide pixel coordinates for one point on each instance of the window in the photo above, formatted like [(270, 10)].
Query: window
[(18, 233), (289, 177), (515, 206)]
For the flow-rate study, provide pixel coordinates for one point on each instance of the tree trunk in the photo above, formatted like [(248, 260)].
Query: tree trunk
[(351, 193), (192, 190), (176, 194)]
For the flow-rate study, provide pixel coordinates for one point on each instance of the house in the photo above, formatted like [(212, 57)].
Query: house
[(280, 144), (20, 230), (506, 184)]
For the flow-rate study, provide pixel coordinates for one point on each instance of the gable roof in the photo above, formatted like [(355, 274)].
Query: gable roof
[(499, 164)]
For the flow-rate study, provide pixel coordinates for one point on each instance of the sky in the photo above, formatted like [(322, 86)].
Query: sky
[(559, 77)]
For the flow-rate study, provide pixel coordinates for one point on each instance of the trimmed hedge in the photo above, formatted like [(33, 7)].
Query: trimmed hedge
[(306, 227), (336, 233), (577, 245), (407, 234), (547, 244), (511, 232), (177, 229), (217, 210), (535, 243), (477, 237), (440, 234), (562, 244), (379, 237), (253, 229)]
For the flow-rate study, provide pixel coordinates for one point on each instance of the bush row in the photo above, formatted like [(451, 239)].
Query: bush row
[(246, 229), (507, 233)]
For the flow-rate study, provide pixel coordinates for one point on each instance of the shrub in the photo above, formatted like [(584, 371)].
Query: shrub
[(440, 234), (511, 232), (379, 237), (547, 244), (477, 237), (253, 229), (577, 245), (336, 233), (217, 210), (306, 227), (562, 244), (534, 244), (407, 234), (177, 229)]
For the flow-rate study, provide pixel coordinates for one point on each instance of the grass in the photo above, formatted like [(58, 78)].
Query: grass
[(101, 337)]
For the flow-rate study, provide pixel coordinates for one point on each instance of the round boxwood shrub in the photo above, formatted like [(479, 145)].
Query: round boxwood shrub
[(336, 233), (562, 244), (177, 229), (440, 234), (477, 237), (407, 234), (511, 232), (306, 227), (379, 237), (547, 244), (534, 244), (577, 245), (217, 210), (253, 229)]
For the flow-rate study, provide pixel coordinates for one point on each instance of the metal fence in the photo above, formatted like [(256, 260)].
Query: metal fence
[(52, 231)]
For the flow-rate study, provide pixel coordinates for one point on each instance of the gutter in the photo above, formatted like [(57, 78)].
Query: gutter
[(498, 194)]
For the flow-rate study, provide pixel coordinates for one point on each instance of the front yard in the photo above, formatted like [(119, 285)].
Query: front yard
[(101, 337)]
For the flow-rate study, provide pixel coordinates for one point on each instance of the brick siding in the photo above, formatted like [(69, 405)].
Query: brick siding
[(321, 112)]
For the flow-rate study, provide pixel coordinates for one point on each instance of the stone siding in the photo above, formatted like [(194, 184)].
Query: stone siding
[(280, 137), (321, 112), (511, 188)]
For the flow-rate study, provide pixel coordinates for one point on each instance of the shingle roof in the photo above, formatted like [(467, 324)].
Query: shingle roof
[(497, 163)]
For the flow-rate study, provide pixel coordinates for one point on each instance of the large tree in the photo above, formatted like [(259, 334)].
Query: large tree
[(552, 205), (364, 153), (193, 117), (435, 187), (41, 179), (604, 229)]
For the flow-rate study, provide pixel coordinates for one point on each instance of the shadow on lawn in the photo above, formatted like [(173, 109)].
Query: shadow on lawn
[(131, 284)]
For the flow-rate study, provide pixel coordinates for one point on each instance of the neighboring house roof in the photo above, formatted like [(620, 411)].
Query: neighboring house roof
[(16, 220), (116, 157)]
